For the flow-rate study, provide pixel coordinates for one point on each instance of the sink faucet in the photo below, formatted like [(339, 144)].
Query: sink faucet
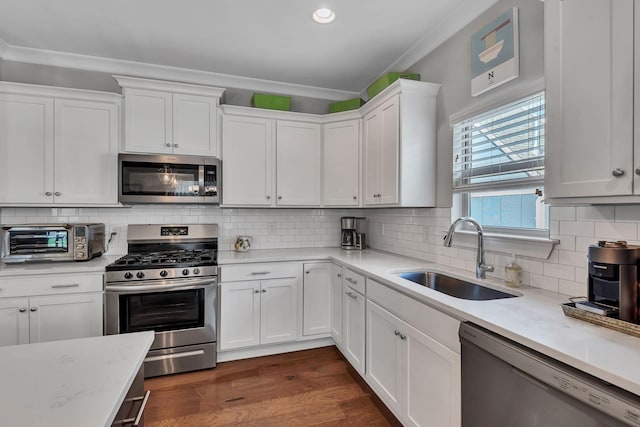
[(481, 267)]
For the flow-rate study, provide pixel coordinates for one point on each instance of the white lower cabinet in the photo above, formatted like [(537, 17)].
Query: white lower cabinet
[(417, 377), (336, 303), (316, 288), (31, 318), (258, 312), (353, 323)]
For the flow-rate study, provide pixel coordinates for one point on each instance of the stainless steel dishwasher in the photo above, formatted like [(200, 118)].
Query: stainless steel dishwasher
[(506, 384)]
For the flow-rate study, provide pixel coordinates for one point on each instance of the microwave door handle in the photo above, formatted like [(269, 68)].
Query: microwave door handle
[(201, 180)]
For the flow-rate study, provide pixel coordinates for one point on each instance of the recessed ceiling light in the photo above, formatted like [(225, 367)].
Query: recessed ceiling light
[(324, 16)]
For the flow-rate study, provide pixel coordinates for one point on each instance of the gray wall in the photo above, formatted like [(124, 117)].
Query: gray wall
[(21, 72), (450, 65)]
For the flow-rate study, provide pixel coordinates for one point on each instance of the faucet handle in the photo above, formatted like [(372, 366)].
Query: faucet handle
[(488, 268)]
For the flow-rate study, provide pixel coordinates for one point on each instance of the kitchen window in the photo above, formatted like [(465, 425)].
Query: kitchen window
[(498, 168)]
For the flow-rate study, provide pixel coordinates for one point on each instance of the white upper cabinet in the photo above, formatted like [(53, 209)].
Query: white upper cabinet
[(341, 163), (400, 145), (248, 160), (298, 160), (166, 117), (268, 161), (589, 98), (58, 146), (86, 152)]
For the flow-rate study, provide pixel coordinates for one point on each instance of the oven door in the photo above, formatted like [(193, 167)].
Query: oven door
[(181, 312), (168, 179)]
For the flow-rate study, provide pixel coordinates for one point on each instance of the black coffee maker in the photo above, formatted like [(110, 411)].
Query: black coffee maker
[(613, 277)]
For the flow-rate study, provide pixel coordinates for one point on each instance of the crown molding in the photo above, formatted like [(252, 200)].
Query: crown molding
[(162, 72), (466, 12)]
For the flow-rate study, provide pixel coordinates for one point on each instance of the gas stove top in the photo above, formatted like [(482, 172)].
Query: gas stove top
[(165, 259), (165, 252)]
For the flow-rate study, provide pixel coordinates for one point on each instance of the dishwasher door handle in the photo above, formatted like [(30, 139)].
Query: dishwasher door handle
[(529, 378)]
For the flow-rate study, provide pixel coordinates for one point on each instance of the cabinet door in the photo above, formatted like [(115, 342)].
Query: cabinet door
[(60, 317), (372, 156), (336, 303), (316, 298), (278, 310), (390, 149), (239, 314), (433, 385), (148, 124), (248, 158), (353, 333), (14, 321), (86, 152), (589, 97), (341, 163), (194, 125), (298, 160), (385, 356), (26, 149)]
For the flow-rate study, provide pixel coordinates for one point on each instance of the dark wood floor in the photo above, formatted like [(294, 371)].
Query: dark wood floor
[(313, 387)]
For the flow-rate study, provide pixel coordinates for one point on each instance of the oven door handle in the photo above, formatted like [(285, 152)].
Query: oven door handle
[(173, 285)]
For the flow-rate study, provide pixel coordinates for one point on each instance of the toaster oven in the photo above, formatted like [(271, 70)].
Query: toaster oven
[(52, 242)]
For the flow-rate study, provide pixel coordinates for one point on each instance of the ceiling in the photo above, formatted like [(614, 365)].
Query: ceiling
[(274, 40)]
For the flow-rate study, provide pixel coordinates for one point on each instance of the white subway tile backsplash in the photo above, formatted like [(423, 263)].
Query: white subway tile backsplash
[(559, 271), (544, 282), (576, 259), (576, 228), (572, 289), (627, 213), (616, 231), (565, 213), (595, 213)]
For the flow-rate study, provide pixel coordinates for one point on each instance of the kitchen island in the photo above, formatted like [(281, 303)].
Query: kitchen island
[(79, 382)]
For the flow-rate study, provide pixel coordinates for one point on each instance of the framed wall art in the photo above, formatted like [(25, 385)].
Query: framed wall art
[(494, 53)]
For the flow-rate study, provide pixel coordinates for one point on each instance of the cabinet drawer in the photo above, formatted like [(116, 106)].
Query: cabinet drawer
[(439, 326), (51, 284), (354, 280), (259, 271)]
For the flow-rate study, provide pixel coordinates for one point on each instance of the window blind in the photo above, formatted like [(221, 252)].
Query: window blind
[(501, 148)]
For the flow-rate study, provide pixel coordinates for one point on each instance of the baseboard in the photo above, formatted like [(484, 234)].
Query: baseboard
[(268, 350)]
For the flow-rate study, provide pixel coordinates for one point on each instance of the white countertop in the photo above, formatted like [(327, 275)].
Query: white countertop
[(69, 383), (535, 319), (95, 265)]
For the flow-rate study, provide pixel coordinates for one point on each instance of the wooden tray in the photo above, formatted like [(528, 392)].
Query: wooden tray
[(570, 310)]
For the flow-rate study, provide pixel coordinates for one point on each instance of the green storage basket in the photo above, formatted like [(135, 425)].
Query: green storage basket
[(384, 81), (349, 104), (271, 102)]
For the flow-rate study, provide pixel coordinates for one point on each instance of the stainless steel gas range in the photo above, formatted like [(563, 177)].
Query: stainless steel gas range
[(167, 283)]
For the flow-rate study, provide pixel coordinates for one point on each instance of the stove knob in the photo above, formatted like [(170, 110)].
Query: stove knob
[(140, 275), (196, 271), (128, 275), (185, 272), (163, 273)]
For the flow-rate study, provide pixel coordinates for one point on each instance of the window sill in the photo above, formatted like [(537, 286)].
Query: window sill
[(534, 247)]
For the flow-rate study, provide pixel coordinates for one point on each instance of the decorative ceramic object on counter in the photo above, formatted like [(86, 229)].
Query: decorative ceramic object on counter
[(243, 243)]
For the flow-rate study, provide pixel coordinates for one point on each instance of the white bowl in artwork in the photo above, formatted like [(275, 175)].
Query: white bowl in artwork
[(491, 53)]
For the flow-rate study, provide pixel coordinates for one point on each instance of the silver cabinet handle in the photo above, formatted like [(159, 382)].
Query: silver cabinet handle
[(403, 337), (637, 171), (175, 145), (48, 193), (256, 291), (22, 309), (279, 197), (351, 295), (308, 271), (70, 285), (355, 197), (264, 290), (617, 172), (259, 273), (168, 144), (339, 275), (57, 193), (350, 280), (268, 197), (33, 309), (396, 332), (138, 418)]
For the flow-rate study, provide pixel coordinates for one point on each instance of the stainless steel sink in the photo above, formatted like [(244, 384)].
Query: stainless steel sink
[(454, 287)]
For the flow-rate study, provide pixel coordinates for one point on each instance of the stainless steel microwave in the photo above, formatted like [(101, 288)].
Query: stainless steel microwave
[(145, 178), (52, 242)]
